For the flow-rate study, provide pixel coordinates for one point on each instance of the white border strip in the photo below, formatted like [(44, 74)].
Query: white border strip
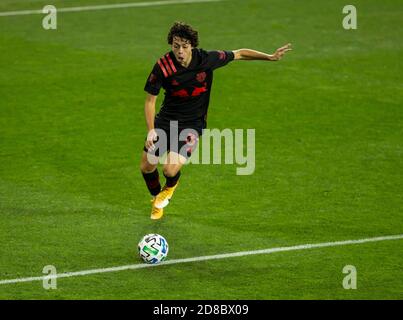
[(205, 258), (107, 7)]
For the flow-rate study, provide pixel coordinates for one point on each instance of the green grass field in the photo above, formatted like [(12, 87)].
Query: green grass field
[(329, 147)]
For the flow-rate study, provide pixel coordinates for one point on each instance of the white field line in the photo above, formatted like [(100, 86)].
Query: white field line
[(204, 258), (106, 7)]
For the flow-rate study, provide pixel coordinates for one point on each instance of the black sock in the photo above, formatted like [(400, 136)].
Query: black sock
[(152, 180), (172, 181)]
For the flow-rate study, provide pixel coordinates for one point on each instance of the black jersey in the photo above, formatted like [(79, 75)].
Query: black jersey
[(187, 90)]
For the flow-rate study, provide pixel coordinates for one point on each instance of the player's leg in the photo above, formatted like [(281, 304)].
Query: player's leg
[(148, 167), (149, 170), (175, 160), (171, 171)]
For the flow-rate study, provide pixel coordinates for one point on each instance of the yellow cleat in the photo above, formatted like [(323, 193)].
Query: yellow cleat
[(162, 199), (156, 213)]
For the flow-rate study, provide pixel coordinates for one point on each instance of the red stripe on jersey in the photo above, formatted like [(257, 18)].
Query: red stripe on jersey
[(167, 66), (162, 68), (171, 62)]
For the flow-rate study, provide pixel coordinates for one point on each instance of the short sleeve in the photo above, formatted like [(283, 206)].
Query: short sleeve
[(154, 81), (218, 58)]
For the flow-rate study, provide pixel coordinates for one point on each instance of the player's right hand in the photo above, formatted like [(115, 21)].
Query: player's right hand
[(281, 51), (151, 138)]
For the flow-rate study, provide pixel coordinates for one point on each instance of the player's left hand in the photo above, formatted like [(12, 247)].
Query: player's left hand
[(280, 52)]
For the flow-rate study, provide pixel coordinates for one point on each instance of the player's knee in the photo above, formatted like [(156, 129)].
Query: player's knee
[(170, 171), (146, 167)]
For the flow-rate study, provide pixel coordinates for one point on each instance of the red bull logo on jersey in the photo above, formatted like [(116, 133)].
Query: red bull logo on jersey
[(195, 91)]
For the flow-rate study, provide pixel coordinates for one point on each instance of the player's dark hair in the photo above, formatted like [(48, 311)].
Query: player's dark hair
[(184, 31)]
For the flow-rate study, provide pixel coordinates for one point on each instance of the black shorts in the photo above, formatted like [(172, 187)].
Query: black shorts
[(179, 140)]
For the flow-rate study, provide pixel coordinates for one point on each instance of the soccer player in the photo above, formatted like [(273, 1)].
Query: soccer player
[(186, 75)]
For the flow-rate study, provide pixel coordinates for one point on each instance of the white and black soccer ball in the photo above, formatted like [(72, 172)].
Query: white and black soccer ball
[(153, 248)]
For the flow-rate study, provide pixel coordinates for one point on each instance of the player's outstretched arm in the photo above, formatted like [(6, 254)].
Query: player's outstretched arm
[(249, 54)]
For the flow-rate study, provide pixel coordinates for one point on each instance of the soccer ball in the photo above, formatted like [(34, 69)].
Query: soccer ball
[(153, 248)]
